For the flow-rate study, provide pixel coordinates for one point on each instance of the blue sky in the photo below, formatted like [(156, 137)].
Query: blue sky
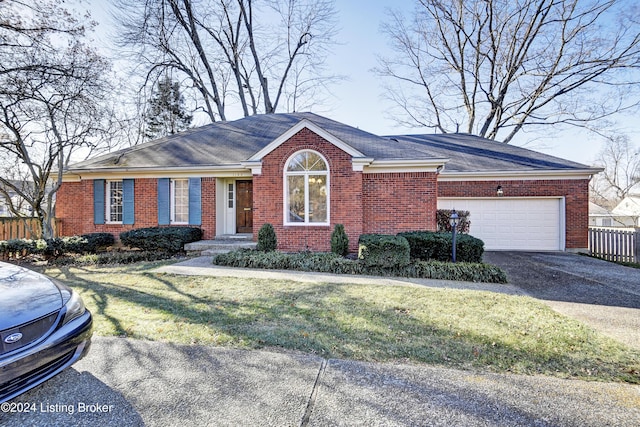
[(357, 101)]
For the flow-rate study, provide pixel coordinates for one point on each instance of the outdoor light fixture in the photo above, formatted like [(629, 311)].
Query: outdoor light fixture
[(454, 219), (499, 191)]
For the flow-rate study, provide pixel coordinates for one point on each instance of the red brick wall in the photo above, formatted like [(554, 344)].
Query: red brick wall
[(71, 208), (345, 192), (575, 191), (396, 202), (208, 208), (74, 207)]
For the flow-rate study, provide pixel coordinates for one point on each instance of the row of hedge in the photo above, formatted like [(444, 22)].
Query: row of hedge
[(333, 263), (84, 244), (163, 240)]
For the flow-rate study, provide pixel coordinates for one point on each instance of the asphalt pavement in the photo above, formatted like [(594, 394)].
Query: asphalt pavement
[(604, 295), (124, 382)]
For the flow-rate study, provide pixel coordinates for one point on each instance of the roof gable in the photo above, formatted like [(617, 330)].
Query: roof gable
[(629, 206), (305, 123)]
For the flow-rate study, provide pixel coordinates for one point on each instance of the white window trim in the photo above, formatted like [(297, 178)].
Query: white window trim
[(172, 200), (285, 183), (107, 202)]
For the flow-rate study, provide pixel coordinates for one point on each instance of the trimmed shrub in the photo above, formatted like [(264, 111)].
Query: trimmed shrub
[(383, 250), (16, 248), (169, 239), (427, 245), (339, 241), (93, 242), (333, 263), (267, 240), (112, 258), (442, 219)]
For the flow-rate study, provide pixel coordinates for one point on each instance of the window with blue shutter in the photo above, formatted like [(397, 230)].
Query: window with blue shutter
[(128, 204), (195, 201), (164, 202), (98, 201)]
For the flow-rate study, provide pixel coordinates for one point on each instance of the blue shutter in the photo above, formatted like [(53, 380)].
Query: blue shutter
[(98, 201), (128, 205), (164, 205), (195, 201)]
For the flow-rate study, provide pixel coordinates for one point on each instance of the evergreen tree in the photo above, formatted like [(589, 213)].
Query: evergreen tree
[(166, 113)]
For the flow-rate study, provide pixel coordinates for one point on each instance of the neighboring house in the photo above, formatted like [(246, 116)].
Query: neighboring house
[(601, 217), (627, 212), (304, 173)]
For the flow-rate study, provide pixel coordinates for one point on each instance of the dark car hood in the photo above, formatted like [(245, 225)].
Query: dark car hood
[(25, 296)]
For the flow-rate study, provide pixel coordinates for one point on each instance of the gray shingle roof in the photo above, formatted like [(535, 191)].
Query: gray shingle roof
[(230, 143), (470, 153)]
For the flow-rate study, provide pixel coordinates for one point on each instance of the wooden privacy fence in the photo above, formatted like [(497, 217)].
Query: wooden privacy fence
[(23, 228), (622, 245)]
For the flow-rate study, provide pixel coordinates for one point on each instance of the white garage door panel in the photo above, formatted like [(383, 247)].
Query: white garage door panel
[(513, 224)]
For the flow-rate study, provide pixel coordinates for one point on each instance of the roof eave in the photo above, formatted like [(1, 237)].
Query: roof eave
[(527, 175), (219, 171)]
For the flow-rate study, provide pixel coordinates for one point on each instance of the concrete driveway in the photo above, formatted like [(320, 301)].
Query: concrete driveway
[(602, 294)]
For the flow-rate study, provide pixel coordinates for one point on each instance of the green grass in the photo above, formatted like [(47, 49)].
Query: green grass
[(455, 328)]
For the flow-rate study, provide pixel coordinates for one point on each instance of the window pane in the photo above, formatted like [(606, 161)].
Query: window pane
[(297, 163), (307, 161), (296, 198), (317, 198), (315, 162), (115, 201), (181, 200)]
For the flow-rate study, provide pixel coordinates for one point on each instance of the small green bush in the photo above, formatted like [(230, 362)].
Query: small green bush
[(267, 240), (168, 239), (339, 241), (383, 250), (428, 245), (333, 263)]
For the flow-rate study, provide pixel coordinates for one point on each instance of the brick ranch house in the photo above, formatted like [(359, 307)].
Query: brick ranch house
[(304, 173)]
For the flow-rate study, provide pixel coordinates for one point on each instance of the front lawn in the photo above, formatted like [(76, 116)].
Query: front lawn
[(455, 328)]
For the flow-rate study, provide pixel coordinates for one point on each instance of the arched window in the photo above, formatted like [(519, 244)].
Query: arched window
[(306, 192)]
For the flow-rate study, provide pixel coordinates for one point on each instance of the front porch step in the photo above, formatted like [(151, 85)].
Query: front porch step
[(220, 245)]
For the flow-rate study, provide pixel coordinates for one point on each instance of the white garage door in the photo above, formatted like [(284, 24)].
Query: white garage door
[(514, 224)]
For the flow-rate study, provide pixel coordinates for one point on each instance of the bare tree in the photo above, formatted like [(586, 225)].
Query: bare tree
[(237, 54), (51, 85), (621, 175), (494, 67)]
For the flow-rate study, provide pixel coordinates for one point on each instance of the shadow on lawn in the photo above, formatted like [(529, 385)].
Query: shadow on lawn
[(328, 320)]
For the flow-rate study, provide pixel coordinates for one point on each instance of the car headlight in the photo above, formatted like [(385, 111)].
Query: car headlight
[(75, 308)]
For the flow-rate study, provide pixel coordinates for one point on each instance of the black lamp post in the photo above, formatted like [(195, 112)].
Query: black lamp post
[(453, 221)]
